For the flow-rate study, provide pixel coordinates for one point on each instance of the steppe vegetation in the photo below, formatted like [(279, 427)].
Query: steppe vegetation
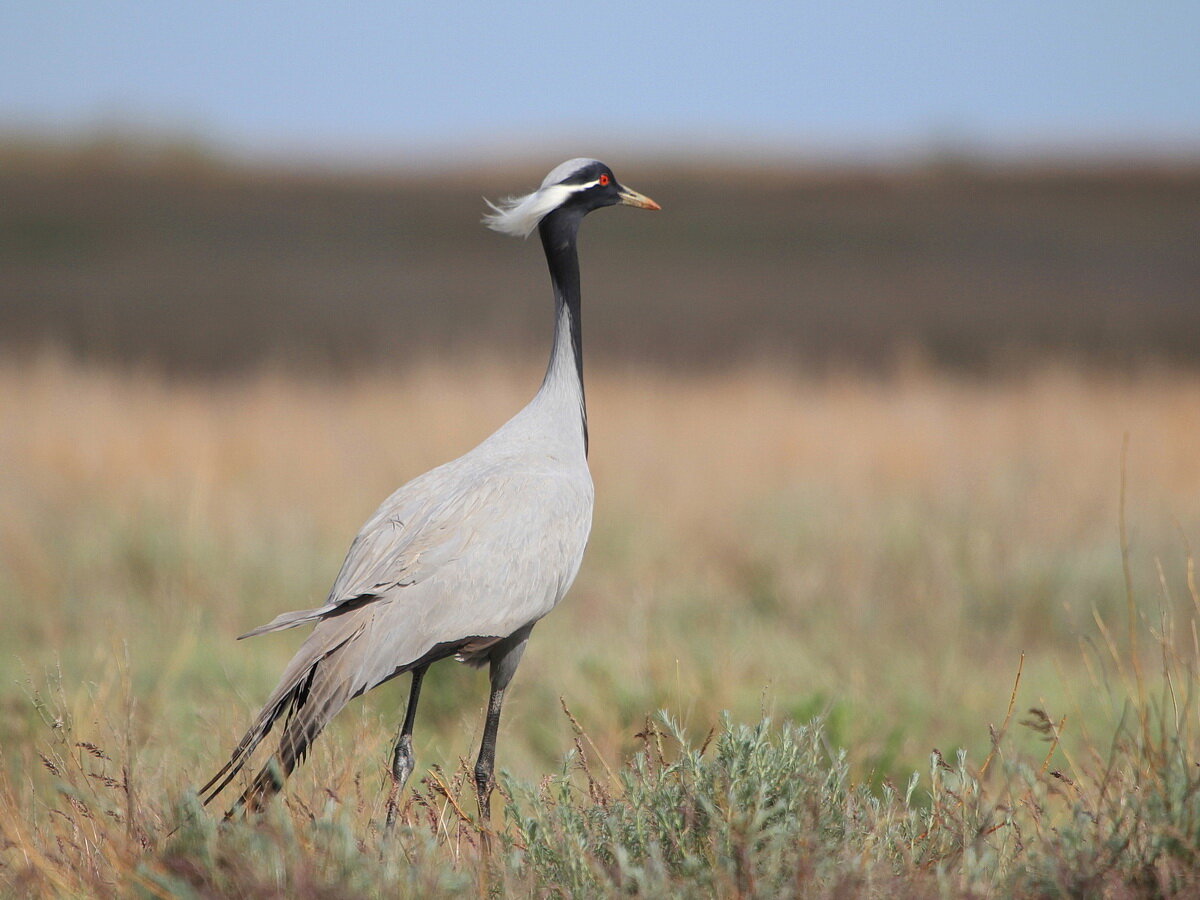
[(824, 584)]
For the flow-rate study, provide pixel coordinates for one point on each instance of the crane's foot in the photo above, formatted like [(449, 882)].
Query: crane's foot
[(403, 763), (483, 795)]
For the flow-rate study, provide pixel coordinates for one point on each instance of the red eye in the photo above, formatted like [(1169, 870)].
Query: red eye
[(604, 179)]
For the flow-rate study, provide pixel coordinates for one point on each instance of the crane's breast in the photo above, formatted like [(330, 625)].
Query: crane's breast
[(526, 547), (497, 553)]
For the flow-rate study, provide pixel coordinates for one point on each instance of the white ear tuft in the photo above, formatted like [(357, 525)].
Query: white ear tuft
[(518, 216)]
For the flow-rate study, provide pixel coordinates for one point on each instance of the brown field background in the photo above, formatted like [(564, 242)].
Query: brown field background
[(207, 268), (857, 443)]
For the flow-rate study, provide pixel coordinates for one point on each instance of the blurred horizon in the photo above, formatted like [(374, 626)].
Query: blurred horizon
[(122, 142), (131, 251), (208, 187), (383, 84)]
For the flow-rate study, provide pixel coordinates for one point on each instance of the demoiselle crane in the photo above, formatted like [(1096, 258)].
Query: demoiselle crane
[(464, 560)]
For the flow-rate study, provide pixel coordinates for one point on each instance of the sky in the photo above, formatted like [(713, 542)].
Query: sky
[(431, 81)]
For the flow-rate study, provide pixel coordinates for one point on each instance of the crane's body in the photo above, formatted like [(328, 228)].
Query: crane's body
[(465, 559)]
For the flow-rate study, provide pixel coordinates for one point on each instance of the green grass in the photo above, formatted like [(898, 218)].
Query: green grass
[(761, 809)]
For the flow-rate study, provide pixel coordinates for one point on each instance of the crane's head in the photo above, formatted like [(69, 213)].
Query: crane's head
[(578, 185)]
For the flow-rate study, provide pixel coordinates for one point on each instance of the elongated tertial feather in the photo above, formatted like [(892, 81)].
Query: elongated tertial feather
[(312, 690), (287, 620)]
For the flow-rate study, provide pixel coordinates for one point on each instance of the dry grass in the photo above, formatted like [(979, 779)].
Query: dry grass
[(880, 552)]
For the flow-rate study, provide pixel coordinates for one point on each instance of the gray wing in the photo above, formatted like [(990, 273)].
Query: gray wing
[(414, 532)]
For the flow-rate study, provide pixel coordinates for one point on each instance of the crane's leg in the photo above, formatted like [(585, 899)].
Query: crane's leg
[(403, 760), (504, 659), (486, 764)]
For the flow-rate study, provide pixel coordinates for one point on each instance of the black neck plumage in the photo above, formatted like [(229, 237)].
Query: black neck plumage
[(559, 232)]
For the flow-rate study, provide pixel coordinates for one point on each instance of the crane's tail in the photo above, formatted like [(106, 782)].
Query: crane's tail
[(311, 693)]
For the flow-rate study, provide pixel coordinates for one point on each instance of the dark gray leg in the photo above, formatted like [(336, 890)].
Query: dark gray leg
[(486, 764), (504, 658), (403, 760)]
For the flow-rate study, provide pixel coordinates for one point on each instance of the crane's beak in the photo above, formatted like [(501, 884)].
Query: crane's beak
[(630, 197)]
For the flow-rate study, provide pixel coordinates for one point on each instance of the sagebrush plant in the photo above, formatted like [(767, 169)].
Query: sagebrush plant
[(753, 809)]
